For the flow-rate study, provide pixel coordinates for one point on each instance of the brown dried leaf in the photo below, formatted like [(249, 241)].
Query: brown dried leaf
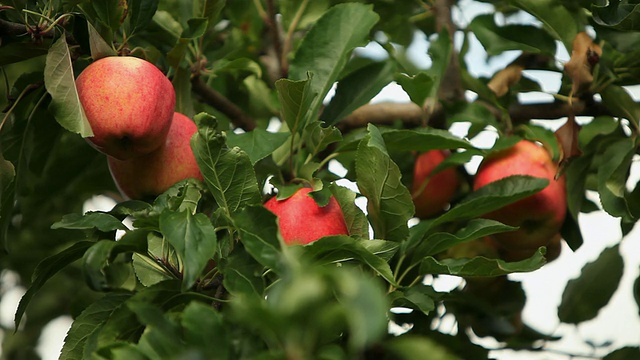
[(584, 56), (505, 79), (567, 136)]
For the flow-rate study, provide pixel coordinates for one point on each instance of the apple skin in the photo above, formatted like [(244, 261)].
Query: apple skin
[(129, 104), (152, 174), (539, 216), (303, 221), (440, 189)]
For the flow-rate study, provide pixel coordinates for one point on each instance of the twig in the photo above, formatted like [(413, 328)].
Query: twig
[(274, 32), (286, 47), (237, 116)]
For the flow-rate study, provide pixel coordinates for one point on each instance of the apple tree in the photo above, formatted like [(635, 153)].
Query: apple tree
[(281, 95)]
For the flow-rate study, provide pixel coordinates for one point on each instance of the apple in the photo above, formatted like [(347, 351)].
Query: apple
[(539, 216), (303, 221), (151, 174), (554, 248), (129, 104), (432, 193)]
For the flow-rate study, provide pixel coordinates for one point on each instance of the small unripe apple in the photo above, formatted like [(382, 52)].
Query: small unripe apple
[(129, 104), (539, 216), (151, 174), (432, 193), (303, 221)]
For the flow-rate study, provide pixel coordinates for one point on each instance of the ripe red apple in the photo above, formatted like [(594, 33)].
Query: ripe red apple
[(152, 174), (303, 221), (539, 216), (431, 194), (129, 104)]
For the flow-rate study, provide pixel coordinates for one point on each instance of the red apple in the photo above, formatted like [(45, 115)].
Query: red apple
[(129, 104), (431, 194), (303, 221), (152, 174), (539, 216)]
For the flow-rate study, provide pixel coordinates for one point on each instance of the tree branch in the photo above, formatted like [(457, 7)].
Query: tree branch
[(409, 114), (210, 96), (12, 29), (451, 85), (274, 32)]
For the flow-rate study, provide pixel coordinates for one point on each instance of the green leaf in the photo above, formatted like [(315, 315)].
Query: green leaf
[(355, 219), (90, 220), (620, 15), (480, 266), (498, 39), (110, 12), (237, 66), (418, 297), (46, 269), (196, 28), (258, 143), (316, 137), (347, 26), (419, 87), (493, 196), (560, 23), (227, 171), (211, 10), (421, 139), (16, 52), (636, 292), (123, 324), (99, 257), (357, 89), (122, 351), (621, 104), (379, 180), (140, 13), (242, 274), (365, 305), (204, 329), (194, 239), (99, 47), (475, 229), (340, 248), (381, 248), (412, 347), (478, 115), (7, 197), (148, 271), (576, 178), (599, 126), (259, 233), (306, 12), (182, 84), (161, 336), (612, 177), (440, 52), (88, 322), (60, 83), (584, 296), (295, 99)]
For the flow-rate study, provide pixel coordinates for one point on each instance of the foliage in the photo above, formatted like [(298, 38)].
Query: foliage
[(202, 272)]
